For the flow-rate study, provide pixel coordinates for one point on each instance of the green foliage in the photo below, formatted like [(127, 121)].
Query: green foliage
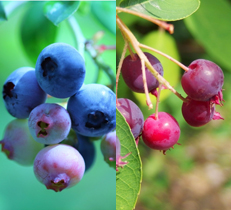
[(36, 31), (2, 13), (168, 10), (57, 11), (128, 179), (210, 25), (102, 9)]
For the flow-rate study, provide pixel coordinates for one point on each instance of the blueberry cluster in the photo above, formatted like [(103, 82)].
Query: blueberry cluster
[(55, 139)]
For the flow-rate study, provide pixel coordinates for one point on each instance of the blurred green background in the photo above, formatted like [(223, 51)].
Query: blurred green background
[(19, 189), (196, 174)]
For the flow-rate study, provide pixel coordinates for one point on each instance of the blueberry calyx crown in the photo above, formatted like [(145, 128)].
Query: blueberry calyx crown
[(43, 127), (48, 65), (96, 120), (7, 90)]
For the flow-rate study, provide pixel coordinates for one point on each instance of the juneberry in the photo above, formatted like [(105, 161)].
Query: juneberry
[(108, 148), (199, 113), (60, 70), (162, 132), (18, 144), (132, 73), (21, 92), (93, 110), (203, 80), (49, 123), (59, 166), (132, 115)]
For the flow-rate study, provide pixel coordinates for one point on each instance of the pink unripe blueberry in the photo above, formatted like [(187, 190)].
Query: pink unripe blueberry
[(108, 148), (18, 143), (49, 123), (59, 166)]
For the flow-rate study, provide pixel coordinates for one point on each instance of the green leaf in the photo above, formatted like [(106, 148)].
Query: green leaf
[(2, 13), (106, 13), (36, 31), (165, 43), (167, 10), (128, 179), (57, 11), (210, 25)]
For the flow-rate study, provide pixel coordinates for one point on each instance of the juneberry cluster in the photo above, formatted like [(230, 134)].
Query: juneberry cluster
[(55, 139), (202, 83)]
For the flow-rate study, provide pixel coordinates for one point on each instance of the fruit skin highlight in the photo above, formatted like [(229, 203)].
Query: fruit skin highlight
[(203, 80), (22, 93), (49, 123), (59, 166), (93, 110), (60, 70), (162, 133)]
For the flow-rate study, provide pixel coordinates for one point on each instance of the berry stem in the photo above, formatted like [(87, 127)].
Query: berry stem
[(162, 24), (148, 100), (158, 101), (120, 66), (79, 38), (135, 44), (165, 55)]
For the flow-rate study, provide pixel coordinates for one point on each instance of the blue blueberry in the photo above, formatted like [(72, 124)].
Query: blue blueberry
[(21, 92), (60, 70), (93, 110), (87, 149)]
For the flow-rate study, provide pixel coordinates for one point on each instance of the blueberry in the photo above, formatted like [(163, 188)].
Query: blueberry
[(21, 92), (93, 110), (108, 148), (84, 145), (49, 123), (59, 166), (18, 143), (60, 70)]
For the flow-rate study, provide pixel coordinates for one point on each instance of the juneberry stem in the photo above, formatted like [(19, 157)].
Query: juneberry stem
[(148, 100), (120, 66), (135, 44), (162, 24), (165, 55), (157, 101)]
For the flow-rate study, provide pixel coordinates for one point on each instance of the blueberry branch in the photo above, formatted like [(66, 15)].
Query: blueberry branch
[(79, 38), (88, 45), (136, 45)]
